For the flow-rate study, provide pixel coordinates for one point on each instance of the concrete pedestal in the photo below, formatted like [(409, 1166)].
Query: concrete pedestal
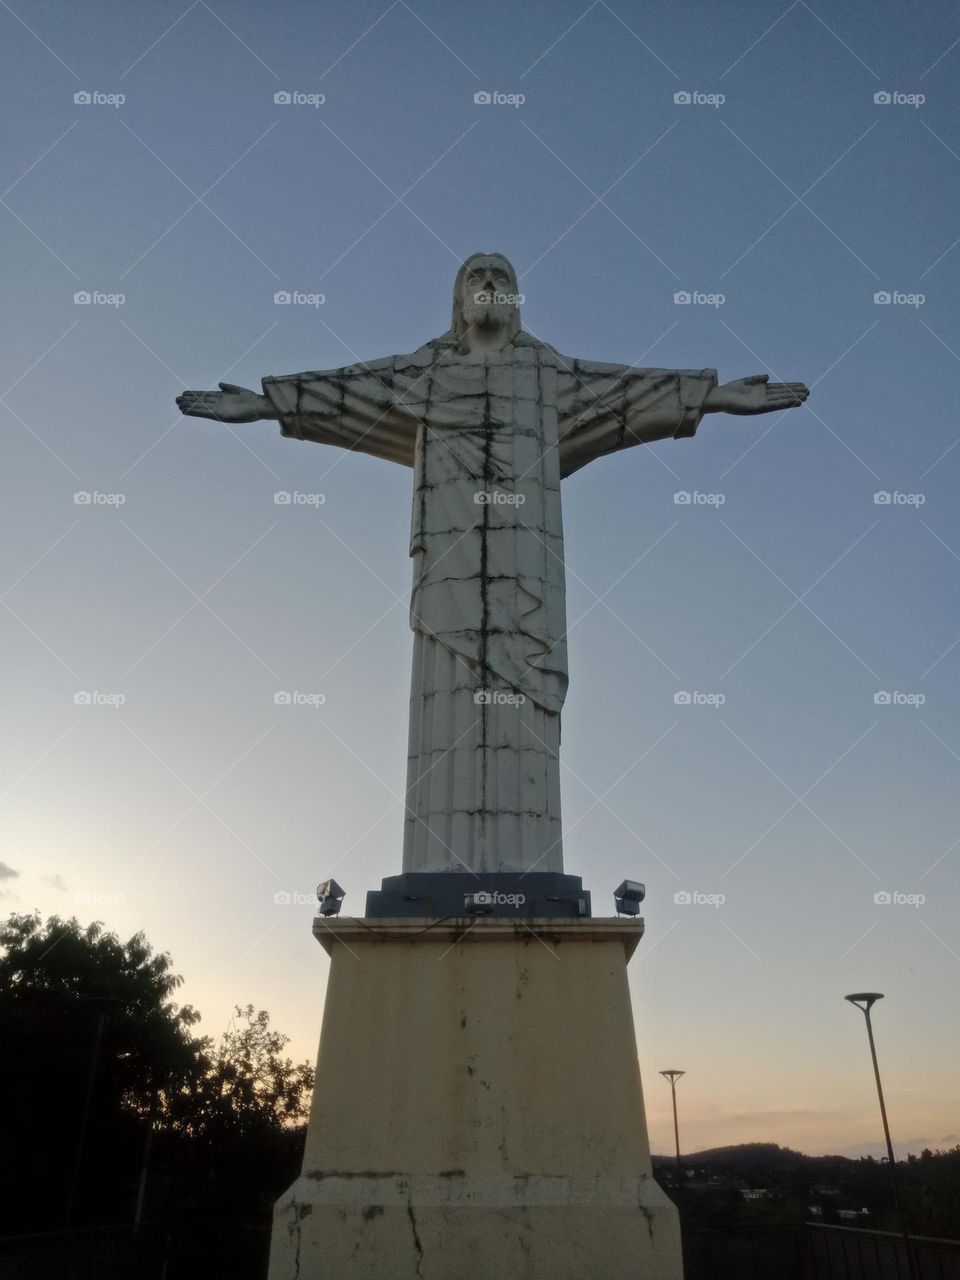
[(478, 1112)]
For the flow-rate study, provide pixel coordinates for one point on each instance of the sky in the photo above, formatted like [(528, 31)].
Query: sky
[(794, 816)]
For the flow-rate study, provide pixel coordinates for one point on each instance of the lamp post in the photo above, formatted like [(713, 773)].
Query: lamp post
[(864, 1001), (673, 1077)]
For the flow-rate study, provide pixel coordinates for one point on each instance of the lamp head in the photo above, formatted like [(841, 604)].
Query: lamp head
[(864, 1000), (628, 896), (330, 897)]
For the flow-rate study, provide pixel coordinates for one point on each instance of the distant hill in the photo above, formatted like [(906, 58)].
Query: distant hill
[(769, 1155), (719, 1186)]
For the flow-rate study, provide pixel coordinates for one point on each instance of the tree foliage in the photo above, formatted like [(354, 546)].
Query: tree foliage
[(101, 1066)]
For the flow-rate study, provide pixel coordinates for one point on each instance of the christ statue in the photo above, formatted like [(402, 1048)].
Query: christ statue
[(490, 420)]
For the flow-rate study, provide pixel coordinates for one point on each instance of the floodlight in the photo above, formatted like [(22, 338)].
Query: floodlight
[(628, 896), (330, 897)]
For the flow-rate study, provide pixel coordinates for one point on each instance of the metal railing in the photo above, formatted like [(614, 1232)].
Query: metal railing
[(812, 1251), (854, 1253), (722, 1251)]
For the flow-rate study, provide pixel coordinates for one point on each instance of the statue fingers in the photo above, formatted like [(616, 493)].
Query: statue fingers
[(785, 398), (200, 404)]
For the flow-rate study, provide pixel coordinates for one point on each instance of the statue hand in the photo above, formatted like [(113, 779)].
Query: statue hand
[(230, 404), (756, 394)]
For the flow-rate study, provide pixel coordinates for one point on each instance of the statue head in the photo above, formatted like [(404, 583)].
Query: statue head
[(486, 296)]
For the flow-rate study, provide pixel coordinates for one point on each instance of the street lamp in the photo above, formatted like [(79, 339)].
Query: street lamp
[(864, 1001), (673, 1077)]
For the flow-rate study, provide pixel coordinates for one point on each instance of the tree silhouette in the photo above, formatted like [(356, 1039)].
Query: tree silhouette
[(117, 1110)]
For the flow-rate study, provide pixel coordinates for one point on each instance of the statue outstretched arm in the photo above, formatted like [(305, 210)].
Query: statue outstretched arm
[(354, 408), (604, 408)]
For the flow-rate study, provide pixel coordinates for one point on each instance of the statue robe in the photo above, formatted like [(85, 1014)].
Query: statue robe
[(489, 442)]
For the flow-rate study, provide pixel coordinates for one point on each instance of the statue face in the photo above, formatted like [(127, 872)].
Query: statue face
[(488, 297)]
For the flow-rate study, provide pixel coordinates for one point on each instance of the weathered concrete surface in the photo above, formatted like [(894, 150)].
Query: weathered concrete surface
[(478, 1111)]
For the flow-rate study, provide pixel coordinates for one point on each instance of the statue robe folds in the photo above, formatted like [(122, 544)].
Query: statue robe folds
[(489, 441)]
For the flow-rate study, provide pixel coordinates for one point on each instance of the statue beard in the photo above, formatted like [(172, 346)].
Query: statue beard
[(495, 315)]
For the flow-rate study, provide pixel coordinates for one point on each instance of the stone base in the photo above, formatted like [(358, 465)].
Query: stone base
[(478, 1113)]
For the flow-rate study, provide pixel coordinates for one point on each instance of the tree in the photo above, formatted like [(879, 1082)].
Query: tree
[(100, 1065), (255, 1085), (92, 1043)]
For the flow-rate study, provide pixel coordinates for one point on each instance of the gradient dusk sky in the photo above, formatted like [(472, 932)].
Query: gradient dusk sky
[(795, 819)]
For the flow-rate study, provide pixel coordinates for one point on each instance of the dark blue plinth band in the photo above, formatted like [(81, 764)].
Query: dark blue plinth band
[(439, 894)]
